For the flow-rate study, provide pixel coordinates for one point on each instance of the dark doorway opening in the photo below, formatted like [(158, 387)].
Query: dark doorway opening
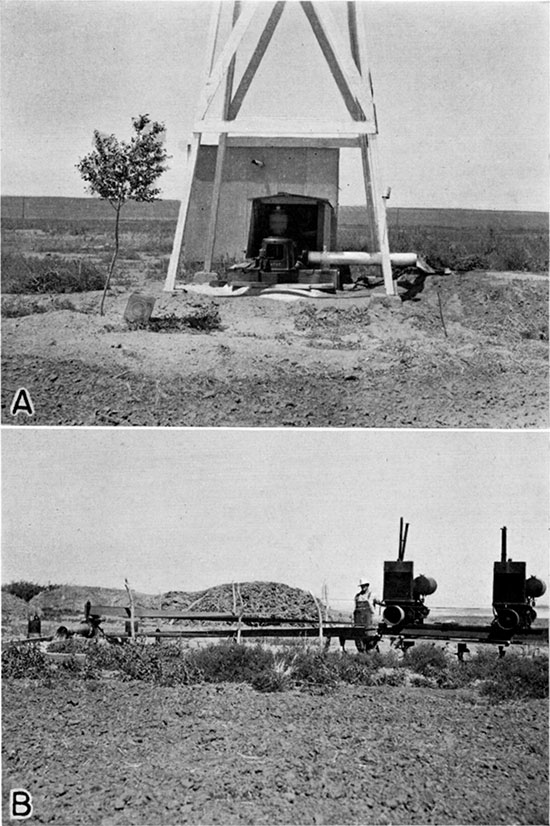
[(299, 218)]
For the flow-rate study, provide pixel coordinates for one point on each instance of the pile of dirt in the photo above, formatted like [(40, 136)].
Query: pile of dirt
[(471, 352), (71, 599), (14, 608), (266, 599)]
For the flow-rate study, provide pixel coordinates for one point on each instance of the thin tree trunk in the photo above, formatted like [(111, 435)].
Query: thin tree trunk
[(118, 207)]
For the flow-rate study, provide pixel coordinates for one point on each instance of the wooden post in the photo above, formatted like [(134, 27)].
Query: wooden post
[(320, 613), (132, 610)]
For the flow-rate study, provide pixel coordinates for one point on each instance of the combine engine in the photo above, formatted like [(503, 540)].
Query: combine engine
[(514, 595), (404, 594)]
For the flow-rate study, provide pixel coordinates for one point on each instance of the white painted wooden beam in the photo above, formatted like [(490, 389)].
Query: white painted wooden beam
[(224, 59), (325, 142), (274, 127), (220, 157), (338, 58), (254, 62), (370, 172), (170, 282), (364, 65)]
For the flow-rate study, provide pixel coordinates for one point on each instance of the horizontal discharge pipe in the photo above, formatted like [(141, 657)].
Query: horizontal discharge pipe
[(368, 259)]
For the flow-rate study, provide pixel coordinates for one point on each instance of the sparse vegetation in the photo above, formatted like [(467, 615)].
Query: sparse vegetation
[(52, 274), (513, 677), (460, 239)]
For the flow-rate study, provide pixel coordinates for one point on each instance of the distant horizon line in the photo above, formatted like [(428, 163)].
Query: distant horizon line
[(417, 208)]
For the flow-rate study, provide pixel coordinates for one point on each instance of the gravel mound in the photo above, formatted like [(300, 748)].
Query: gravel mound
[(259, 598)]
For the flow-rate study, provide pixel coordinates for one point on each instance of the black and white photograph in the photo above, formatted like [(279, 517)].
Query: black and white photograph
[(276, 627), (275, 412), (275, 214)]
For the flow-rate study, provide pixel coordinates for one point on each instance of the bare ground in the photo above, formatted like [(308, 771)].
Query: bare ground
[(470, 352), (125, 753)]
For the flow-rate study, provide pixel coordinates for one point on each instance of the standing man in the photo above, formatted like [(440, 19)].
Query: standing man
[(364, 608), (363, 616)]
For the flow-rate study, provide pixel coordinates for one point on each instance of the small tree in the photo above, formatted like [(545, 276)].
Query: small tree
[(119, 171)]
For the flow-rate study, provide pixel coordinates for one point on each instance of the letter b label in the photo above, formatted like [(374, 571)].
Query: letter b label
[(20, 804)]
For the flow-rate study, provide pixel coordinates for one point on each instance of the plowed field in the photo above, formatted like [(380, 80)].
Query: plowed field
[(125, 753)]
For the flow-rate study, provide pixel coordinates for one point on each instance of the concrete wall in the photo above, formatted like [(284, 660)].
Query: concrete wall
[(299, 171)]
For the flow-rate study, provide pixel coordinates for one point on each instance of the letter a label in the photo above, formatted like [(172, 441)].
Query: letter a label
[(22, 403), (20, 804)]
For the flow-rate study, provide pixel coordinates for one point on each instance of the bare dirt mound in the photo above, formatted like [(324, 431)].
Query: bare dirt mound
[(470, 351), (14, 608), (71, 599), (266, 599)]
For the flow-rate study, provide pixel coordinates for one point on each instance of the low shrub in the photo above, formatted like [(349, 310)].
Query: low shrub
[(517, 678), (162, 665), (276, 678), (52, 274), (316, 668), (228, 662), (425, 659), (25, 661)]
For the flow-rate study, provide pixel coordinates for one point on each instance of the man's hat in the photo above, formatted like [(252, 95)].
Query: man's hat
[(363, 583)]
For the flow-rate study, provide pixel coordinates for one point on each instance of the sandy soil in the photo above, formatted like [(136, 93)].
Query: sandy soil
[(126, 753), (471, 351)]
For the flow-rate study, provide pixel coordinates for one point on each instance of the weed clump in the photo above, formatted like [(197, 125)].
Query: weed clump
[(517, 678), (426, 660), (230, 663), (203, 319), (23, 662), (53, 274)]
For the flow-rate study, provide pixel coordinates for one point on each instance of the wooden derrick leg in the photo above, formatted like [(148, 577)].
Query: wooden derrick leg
[(370, 174), (170, 282), (214, 207)]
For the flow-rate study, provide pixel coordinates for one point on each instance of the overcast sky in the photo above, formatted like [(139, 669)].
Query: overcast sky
[(188, 509), (461, 90)]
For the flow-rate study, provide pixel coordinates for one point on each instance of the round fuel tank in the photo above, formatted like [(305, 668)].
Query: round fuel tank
[(535, 587), (423, 586)]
